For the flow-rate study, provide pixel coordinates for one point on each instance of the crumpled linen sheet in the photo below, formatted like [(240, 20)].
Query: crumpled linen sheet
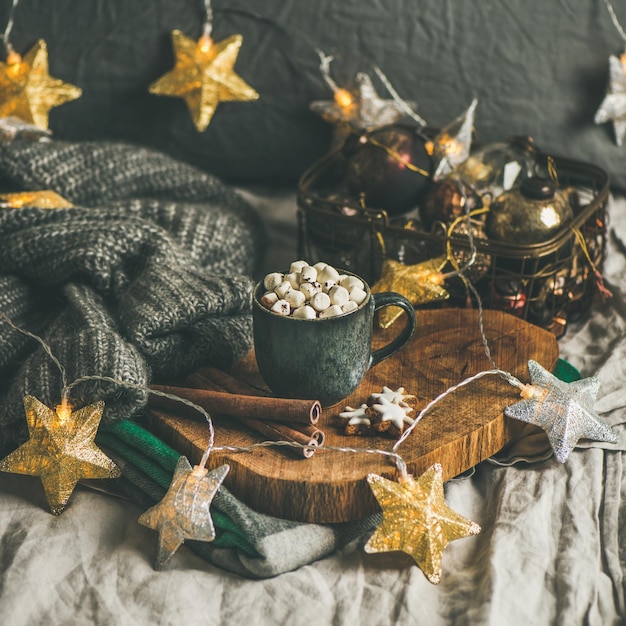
[(552, 549)]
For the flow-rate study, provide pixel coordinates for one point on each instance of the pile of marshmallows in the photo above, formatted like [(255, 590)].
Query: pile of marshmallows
[(312, 291)]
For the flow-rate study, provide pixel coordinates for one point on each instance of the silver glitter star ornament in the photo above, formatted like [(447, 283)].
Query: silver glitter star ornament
[(564, 410), (453, 144), (364, 110), (613, 107)]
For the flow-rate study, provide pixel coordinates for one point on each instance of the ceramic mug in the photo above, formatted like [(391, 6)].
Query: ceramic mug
[(323, 359)]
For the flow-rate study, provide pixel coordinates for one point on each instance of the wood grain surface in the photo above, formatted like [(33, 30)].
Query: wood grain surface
[(465, 428)]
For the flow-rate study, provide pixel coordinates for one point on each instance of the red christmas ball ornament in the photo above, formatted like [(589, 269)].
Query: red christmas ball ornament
[(445, 201), (390, 168)]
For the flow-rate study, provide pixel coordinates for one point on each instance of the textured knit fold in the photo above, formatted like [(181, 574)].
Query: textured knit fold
[(148, 274)]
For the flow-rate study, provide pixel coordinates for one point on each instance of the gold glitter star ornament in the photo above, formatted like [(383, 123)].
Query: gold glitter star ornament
[(416, 520), (61, 450), (564, 410), (27, 90), (45, 199), (420, 283), (203, 76), (183, 513)]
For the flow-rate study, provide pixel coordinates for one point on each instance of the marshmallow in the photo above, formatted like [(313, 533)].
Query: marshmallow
[(358, 295), (293, 278), (331, 311), (320, 265), (305, 312), (308, 274), (352, 282), (268, 299), (328, 273), (271, 281), (295, 298), (283, 288), (349, 306), (339, 295), (297, 266), (310, 289), (281, 307), (327, 285), (320, 301)]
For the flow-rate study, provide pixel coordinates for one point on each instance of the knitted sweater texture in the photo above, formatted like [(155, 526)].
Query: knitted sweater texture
[(148, 275)]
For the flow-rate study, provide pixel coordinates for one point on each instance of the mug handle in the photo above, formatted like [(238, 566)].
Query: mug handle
[(389, 298)]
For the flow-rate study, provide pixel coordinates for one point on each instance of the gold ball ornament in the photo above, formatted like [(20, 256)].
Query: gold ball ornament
[(203, 76), (27, 90)]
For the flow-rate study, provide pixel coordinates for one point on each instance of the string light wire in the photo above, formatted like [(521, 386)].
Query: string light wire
[(8, 48)]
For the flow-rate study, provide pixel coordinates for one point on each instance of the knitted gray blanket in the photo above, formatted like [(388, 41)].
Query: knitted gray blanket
[(147, 276)]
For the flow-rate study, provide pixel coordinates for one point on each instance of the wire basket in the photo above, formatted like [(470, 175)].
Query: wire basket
[(548, 283)]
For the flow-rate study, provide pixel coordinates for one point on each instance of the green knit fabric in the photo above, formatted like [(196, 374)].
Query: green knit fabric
[(566, 371), (161, 476), (157, 460), (137, 437)]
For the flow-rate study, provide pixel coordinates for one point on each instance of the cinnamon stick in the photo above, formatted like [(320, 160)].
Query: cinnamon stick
[(282, 432), (216, 380), (258, 407)]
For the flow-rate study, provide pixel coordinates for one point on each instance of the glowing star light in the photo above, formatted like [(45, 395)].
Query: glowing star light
[(203, 76), (564, 410), (452, 145), (365, 110), (420, 284), (46, 199), (27, 90), (61, 450), (416, 520), (183, 513), (613, 107)]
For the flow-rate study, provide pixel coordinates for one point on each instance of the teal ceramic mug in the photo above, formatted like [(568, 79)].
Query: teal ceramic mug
[(323, 359)]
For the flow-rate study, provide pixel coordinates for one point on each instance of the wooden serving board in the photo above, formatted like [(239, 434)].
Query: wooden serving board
[(465, 428)]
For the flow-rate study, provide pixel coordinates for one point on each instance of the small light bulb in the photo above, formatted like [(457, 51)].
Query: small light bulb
[(205, 43), (64, 410), (13, 58), (343, 98), (199, 471)]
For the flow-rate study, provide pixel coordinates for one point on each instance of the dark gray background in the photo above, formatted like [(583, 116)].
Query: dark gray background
[(538, 67)]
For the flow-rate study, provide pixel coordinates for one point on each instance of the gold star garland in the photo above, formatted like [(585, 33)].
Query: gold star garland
[(28, 91), (60, 450), (203, 76), (416, 520)]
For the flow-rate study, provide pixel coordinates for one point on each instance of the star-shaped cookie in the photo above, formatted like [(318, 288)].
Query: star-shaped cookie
[(564, 410), (416, 520), (183, 513), (203, 76), (61, 450)]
